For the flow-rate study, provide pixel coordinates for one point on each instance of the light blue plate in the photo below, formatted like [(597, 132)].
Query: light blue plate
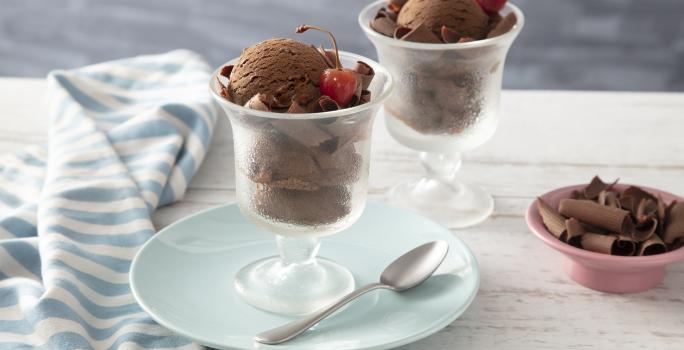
[(183, 279)]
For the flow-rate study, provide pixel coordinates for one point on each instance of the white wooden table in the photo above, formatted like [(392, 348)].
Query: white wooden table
[(545, 140)]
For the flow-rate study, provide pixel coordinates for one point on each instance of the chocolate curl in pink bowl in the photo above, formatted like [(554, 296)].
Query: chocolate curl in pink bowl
[(554, 222), (652, 246), (674, 228), (609, 244), (612, 219), (574, 232), (595, 187)]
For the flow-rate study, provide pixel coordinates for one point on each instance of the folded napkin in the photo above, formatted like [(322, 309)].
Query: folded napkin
[(125, 137)]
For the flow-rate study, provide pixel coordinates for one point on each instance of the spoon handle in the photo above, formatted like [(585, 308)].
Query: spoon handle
[(290, 330)]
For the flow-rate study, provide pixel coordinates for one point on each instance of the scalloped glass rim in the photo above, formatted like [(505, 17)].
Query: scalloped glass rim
[(387, 88), (510, 35)]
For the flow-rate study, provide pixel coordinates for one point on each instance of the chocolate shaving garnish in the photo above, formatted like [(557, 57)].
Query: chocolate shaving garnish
[(326, 104), (662, 212), (260, 102), (574, 231), (384, 25), (356, 98), (296, 107), (645, 229), (449, 36), (226, 70), (224, 90), (366, 74), (553, 220), (506, 24), (365, 97), (384, 12), (400, 32), (674, 227), (595, 187), (652, 246), (576, 195), (647, 209), (396, 5), (612, 219), (608, 198), (632, 196), (419, 34), (608, 244)]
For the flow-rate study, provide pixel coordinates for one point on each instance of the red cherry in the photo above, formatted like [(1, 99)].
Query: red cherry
[(339, 84), (492, 6)]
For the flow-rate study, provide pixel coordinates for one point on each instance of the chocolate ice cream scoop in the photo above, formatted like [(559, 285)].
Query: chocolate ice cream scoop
[(463, 17), (282, 68)]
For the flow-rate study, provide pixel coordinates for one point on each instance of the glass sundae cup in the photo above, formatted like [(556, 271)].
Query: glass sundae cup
[(446, 101), (301, 177)]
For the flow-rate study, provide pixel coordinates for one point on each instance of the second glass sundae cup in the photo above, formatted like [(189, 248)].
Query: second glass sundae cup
[(301, 177), (446, 101)]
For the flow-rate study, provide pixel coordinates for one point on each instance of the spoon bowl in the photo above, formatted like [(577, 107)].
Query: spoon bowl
[(414, 267)]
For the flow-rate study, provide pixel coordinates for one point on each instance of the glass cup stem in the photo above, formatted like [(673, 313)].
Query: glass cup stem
[(440, 166), (439, 195), (296, 250)]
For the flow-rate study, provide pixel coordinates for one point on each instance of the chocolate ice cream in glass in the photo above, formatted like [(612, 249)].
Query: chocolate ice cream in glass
[(447, 58), (301, 119)]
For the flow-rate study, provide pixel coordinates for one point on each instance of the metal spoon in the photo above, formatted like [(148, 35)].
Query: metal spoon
[(407, 271)]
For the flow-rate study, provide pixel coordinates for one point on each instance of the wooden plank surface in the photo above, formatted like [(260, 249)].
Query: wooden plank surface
[(545, 140)]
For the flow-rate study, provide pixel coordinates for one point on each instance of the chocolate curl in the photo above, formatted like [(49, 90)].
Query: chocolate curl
[(574, 232), (506, 24), (494, 19), (595, 187), (636, 194), (326, 104), (366, 73), (553, 220), (652, 246), (296, 107), (365, 97), (674, 227), (609, 199), (608, 244), (612, 219), (383, 12), (260, 102), (401, 32), (384, 25), (576, 195), (449, 36), (396, 5), (226, 70), (419, 34), (662, 212), (646, 209), (645, 230)]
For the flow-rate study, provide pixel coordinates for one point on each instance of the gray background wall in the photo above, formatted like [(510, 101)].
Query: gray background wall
[(566, 44)]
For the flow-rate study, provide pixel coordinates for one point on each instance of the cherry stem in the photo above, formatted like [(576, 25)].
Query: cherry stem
[(303, 28)]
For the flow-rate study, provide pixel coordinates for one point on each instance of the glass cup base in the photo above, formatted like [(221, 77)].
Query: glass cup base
[(451, 203), (292, 289)]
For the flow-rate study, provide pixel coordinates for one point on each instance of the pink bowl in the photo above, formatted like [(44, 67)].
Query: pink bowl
[(605, 273)]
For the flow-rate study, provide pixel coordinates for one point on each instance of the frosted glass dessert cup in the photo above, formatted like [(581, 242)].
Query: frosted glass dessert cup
[(301, 177), (446, 101)]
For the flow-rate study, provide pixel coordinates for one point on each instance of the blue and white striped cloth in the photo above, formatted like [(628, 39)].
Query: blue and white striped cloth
[(125, 137)]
